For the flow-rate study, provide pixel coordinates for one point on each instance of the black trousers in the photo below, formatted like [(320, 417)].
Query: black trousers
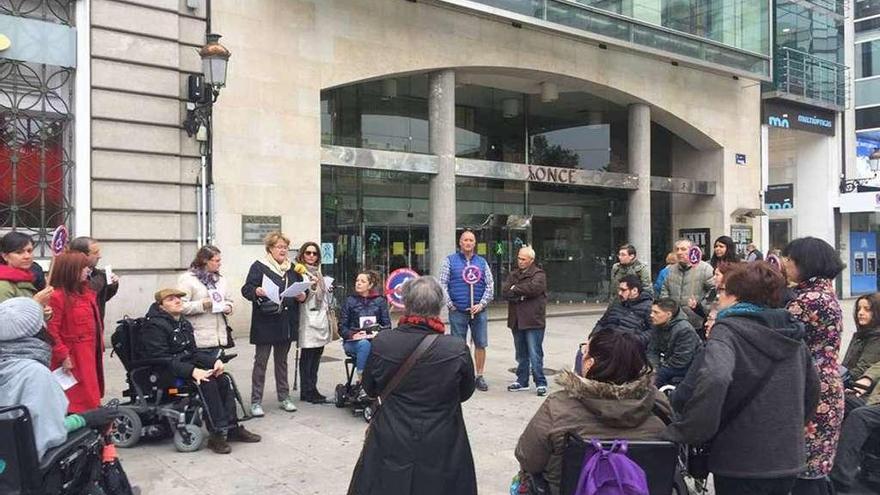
[(857, 428), (744, 486), (309, 360), (219, 399)]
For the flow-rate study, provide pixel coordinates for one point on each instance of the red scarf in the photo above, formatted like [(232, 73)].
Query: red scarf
[(15, 274), (435, 324)]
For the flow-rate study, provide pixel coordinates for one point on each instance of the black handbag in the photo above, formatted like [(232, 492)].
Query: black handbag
[(114, 481), (230, 342), (268, 306)]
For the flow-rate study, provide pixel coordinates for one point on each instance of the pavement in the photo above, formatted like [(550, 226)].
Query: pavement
[(313, 450)]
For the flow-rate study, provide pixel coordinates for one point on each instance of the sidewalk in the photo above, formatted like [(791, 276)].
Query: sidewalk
[(313, 450)]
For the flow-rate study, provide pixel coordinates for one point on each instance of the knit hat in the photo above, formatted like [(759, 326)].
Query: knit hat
[(20, 317)]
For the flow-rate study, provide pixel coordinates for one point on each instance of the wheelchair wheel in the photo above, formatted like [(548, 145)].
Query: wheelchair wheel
[(127, 428), (368, 413), (188, 440), (340, 396)]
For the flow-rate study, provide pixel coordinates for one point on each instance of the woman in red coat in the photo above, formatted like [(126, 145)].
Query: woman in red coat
[(77, 330)]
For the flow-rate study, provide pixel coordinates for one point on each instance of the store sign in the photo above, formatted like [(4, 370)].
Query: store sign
[(787, 116), (552, 175), (779, 197), (698, 237), (742, 237), (255, 227)]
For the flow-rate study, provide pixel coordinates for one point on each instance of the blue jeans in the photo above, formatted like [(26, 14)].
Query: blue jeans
[(360, 349), (460, 321), (529, 352)]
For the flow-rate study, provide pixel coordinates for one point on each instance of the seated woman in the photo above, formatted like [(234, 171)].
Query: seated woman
[(863, 352), (166, 334), (614, 399), (365, 305), (25, 379)]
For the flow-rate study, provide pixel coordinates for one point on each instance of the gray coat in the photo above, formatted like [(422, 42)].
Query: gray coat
[(766, 438), (685, 282)]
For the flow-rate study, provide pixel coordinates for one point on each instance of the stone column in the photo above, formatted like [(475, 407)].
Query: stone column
[(639, 207), (441, 197)]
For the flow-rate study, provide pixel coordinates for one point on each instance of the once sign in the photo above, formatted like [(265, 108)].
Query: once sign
[(551, 175)]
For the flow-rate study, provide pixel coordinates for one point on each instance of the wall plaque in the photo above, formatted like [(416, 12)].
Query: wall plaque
[(255, 227)]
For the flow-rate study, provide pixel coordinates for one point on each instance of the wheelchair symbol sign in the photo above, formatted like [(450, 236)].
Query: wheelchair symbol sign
[(695, 255), (471, 274), (394, 285)]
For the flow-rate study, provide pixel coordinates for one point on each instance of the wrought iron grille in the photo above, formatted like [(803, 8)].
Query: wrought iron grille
[(36, 135)]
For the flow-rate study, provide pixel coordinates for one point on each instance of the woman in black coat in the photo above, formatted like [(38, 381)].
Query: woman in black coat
[(273, 327), (417, 442)]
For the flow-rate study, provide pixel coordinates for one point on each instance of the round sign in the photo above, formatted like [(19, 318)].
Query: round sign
[(775, 262), (394, 285), (695, 255), (59, 240), (471, 274)]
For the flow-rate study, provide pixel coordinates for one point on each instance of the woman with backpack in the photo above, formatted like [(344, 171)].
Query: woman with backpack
[(754, 388), (614, 399)]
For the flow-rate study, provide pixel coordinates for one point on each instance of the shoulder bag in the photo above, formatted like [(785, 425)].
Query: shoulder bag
[(268, 306)]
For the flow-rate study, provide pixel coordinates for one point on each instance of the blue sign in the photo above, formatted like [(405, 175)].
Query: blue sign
[(740, 159), (863, 262)]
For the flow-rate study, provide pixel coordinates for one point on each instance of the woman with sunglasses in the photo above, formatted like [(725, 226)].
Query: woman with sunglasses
[(314, 323), (273, 326)]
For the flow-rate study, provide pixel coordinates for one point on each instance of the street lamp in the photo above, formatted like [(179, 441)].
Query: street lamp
[(874, 160), (203, 90), (215, 58)]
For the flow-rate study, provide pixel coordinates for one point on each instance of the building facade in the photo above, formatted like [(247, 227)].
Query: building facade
[(383, 128)]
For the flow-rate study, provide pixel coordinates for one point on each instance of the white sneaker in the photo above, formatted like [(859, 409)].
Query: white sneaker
[(287, 405), (257, 411)]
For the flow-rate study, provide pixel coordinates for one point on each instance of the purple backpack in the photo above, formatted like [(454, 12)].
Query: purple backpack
[(610, 472)]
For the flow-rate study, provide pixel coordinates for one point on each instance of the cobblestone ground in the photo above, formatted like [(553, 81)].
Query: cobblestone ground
[(313, 450)]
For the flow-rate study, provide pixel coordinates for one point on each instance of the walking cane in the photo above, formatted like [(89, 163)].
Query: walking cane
[(295, 366)]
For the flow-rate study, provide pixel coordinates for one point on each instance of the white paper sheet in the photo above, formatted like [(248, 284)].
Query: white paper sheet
[(366, 321), (271, 289), (296, 289), (108, 270), (218, 305), (65, 379)]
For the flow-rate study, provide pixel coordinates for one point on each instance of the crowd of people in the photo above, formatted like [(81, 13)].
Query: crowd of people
[(745, 350)]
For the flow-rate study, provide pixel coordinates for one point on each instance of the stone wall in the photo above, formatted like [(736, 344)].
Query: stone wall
[(144, 167)]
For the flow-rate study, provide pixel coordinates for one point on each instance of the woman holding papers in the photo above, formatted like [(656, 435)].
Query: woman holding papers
[(314, 324), (207, 300), (77, 329), (274, 323)]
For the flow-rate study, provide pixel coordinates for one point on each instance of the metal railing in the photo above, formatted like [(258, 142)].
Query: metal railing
[(809, 77)]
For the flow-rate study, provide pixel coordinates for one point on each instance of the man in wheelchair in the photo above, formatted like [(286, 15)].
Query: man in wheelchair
[(37, 434), (168, 336)]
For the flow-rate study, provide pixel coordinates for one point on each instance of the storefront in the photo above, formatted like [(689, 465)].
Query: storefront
[(551, 174)]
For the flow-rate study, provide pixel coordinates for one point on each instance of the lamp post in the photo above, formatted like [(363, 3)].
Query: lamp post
[(203, 90)]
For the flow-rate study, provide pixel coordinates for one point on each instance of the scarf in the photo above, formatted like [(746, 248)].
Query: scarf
[(15, 274), (26, 348), (319, 288), (208, 279), (434, 323), (279, 268), (740, 308)]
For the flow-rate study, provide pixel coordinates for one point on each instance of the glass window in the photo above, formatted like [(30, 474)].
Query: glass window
[(390, 114), (868, 118), (36, 182), (867, 25), (490, 124), (867, 59), (867, 8)]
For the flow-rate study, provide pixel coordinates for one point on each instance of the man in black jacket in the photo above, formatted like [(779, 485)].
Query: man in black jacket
[(631, 312), (104, 288), (167, 335), (673, 342)]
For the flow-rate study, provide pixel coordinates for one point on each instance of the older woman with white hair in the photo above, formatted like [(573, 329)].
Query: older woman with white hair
[(417, 442)]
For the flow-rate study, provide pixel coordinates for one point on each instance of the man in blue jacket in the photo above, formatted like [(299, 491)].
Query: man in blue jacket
[(466, 312)]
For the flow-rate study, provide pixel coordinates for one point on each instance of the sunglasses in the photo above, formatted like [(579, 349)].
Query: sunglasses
[(310, 253)]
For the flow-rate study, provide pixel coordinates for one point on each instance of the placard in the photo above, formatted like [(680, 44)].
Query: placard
[(328, 255), (254, 228), (397, 248), (420, 248)]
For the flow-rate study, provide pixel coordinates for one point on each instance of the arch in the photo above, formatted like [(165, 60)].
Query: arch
[(528, 81)]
